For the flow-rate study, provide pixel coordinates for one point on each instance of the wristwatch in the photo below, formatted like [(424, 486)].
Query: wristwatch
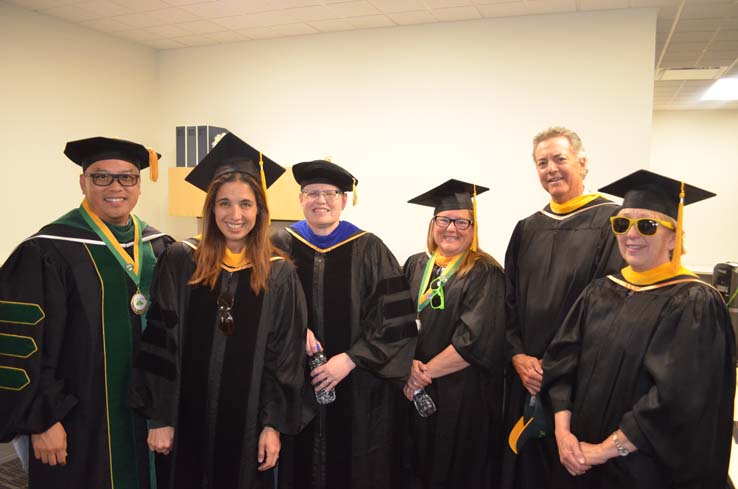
[(622, 451)]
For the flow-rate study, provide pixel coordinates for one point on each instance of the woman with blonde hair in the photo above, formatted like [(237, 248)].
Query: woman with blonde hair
[(456, 380), (220, 370)]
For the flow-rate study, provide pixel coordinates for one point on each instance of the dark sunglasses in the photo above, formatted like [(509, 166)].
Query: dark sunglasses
[(225, 318), (645, 226)]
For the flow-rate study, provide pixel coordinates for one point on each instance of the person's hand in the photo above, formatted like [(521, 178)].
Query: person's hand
[(595, 454), (160, 439), (419, 377), (570, 453), (311, 344), (530, 371), (408, 392), (51, 446), (269, 446), (328, 375)]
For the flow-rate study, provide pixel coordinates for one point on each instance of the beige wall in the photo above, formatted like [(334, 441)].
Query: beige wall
[(407, 108), (701, 148), (403, 108), (60, 82)]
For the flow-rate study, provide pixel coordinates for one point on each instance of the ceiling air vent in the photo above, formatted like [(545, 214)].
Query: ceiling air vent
[(666, 74)]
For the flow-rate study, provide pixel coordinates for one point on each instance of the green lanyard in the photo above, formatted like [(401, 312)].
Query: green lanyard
[(431, 288)]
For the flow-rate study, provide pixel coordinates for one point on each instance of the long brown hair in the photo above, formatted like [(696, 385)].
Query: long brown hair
[(259, 249), (471, 256)]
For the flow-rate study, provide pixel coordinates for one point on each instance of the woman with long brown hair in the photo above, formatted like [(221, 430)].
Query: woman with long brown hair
[(221, 366), (456, 380)]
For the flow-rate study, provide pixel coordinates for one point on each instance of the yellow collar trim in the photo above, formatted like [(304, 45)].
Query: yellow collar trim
[(665, 271), (232, 262), (575, 213), (324, 250), (443, 261), (573, 204), (636, 288)]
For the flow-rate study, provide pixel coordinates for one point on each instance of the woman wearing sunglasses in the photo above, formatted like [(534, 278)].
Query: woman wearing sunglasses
[(459, 299), (641, 375), (221, 366)]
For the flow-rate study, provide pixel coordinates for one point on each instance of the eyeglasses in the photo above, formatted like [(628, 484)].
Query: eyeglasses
[(459, 223), (225, 318), (645, 226), (328, 195), (106, 179), (438, 300)]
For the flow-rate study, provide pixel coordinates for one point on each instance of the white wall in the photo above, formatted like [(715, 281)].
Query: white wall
[(60, 82), (406, 108), (701, 148)]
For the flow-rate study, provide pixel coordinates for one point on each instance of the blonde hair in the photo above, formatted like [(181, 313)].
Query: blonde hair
[(557, 132)]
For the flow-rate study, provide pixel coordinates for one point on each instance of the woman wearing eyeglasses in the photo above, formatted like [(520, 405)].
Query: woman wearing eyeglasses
[(221, 366), (641, 375), (459, 299)]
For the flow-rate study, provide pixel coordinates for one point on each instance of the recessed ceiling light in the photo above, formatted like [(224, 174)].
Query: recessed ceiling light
[(723, 89)]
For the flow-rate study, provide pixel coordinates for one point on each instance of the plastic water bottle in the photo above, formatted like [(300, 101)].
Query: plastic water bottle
[(423, 403), (322, 396)]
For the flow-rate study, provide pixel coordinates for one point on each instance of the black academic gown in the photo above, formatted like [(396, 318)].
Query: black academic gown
[(220, 391), (64, 306), (657, 362), (358, 303), (458, 446), (549, 260)]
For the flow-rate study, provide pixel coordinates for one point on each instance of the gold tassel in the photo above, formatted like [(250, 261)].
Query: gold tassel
[(262, 175), (353, 191), (677, 254), (153, 165), (475, 240)]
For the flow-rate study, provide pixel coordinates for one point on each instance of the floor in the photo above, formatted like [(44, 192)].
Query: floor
[(11, 473)]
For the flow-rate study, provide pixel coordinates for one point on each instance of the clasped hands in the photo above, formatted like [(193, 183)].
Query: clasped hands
[(578, 457)]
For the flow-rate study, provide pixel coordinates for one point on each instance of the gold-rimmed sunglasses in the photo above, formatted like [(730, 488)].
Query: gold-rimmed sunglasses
[(646, 226)]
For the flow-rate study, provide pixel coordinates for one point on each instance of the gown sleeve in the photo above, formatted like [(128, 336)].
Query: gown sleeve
[(33, 318), (691, 360), (607, 258), (479, 335), (284, 359), (562, 357), (386, 343), (514, 340), (154, 388)]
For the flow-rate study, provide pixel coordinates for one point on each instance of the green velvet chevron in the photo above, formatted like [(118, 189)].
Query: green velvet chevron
[(20, 313)]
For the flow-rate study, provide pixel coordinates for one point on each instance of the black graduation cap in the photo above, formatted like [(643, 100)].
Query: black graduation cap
[(643, 189), (85, 152), (450, 195), (232, 154), (322, 171)]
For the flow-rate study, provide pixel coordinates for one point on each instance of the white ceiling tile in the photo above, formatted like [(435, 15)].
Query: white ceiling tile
[(137, 35), (142, 5), (223, 8), (106, 25), (226, 36), (694, 25), (173, 15), (447, 3), (164, 44), (728, 35), (551, 6), (353, 9), (416, 17), (653, 3), (139, 20), (104, 8), (392, 6), (508, 9), (456, 13), (371, 21), (187, 2), (603, 4), (283, 4), (202, 27), (262, 19), (696, 36), (43, 4), (168, 31), (196, 40), (285, 30), (73, 13), (332, 25), (708, 11), (308, 14)]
